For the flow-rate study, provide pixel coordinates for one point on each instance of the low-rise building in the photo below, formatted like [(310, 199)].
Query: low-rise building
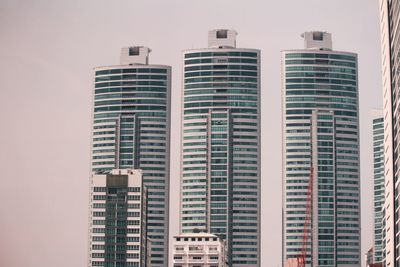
[(118, 220), (199, 250)]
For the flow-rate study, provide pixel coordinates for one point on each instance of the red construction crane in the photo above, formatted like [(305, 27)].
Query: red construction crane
[(300, 261)]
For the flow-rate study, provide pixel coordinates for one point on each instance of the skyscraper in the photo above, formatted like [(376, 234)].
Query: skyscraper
[(220, 183), (379, 182), (321, 140), (390, 22), (118, 223), (131, 129)]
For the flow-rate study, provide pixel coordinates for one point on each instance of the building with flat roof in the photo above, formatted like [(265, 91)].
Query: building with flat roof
[(199, 249), (118, 220)]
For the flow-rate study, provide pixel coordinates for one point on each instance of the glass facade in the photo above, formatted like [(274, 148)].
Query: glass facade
[(131, 118), (320, 131), (379, 181), (220, 183)]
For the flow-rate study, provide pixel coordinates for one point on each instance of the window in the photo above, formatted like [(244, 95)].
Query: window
[(318, 36), (134, 51), (222, 34)]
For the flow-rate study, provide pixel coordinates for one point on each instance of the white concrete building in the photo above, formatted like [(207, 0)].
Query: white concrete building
[(199, 250), (131, 129), (390, 46), (321, 135), (221, 157), (118, 220)]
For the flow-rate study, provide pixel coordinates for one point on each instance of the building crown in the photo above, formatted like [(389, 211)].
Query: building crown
[(135, 55), (222, 38), (317, 40)]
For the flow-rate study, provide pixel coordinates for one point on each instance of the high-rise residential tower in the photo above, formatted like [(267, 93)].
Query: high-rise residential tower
[(379, 182), (390, 45), (131, 129), (321, 140), (118, 223), (390, 70), (220, 182)]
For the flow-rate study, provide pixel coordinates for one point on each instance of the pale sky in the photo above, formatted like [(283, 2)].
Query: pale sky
[(47, 53)]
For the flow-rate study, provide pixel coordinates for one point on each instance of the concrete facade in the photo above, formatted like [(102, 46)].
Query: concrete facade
[(199, 249), (118, 220), (390, 21)]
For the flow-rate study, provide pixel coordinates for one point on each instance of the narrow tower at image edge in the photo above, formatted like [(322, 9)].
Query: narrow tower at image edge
[(390, 48), (321, 145), (220, 170), (131, 130)]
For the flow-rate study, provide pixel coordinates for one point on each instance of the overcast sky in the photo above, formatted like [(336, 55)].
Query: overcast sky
[(47, 53)]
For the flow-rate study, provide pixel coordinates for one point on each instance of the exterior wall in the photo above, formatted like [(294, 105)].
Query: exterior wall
[(220, 183), (131, 129), (320, 129), (389, 12), (379, 183), (204, 250), (118, 212)]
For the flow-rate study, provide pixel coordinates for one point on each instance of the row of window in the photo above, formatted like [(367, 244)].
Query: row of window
[(130, 70), (130, 77), (320, 81), (321, 75), (220, 79), (220, 60), (131, 108), (130, 83), (221, 54), (221, 67), (320, 62), (221, 73), (148, 89), (320, 69), (219, 86), (130, 95), (221, 97), (320, 55)]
